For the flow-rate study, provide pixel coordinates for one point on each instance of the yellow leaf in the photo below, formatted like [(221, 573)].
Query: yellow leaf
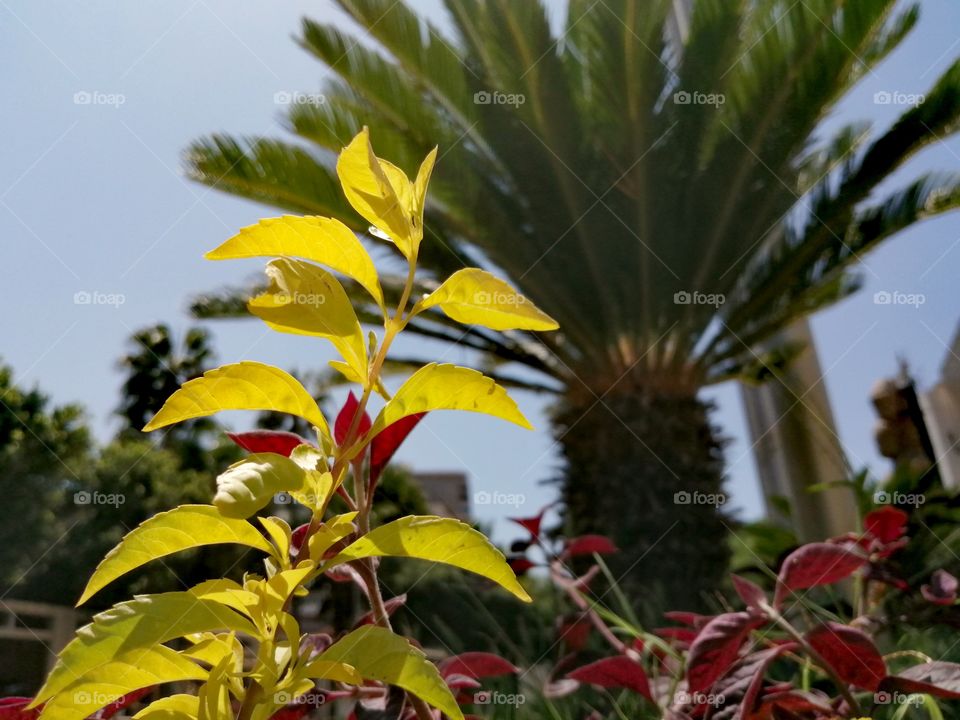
[(381, 193), (330, 532), (172, 707), (241, 386), (250, 484), (329, 670), (142, 622), (379, 654), (187, 526), (442, 540), (475, 297), (448, 387), (280, 532), (129, 671), (420, 184), (323, 240), (304, 299)]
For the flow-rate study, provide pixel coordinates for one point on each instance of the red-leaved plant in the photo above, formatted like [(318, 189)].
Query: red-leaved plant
[(722, 666)]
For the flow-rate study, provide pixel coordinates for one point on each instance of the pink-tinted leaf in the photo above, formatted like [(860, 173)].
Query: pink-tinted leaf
[(391, 606), (345, 419), (716, 648), (297, 538), (886, 524), (615, 672), (589, 544), (477, 665), (816, 564), (386, 443), (942, 589), (557, 689), (14, 708), (460, 682), (851, 654), (752, 694), (261, 441), (940, 679), (751, 593)]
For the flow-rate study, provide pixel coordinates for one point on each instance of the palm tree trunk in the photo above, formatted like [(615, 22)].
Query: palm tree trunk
[(645, 467)]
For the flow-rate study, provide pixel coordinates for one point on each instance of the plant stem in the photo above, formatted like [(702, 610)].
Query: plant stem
[(813, 655)]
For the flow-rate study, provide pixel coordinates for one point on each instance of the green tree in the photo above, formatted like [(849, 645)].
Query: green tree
[(43, 452), (670, 202)]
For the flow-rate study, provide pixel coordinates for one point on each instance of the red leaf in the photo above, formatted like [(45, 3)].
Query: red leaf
[(520, 565), (574, 632), (851, 654), (940, 679), (692, 619), (460, 682), (345, 419), (477, 665), (589, 544), (816, 564), (615, 672), (716, 648), (751, 593), (532, 524), (391, 606), (275, 441), (680, 634), (752, 692), (301, 706), (13, 708), (886, 524), (942, 589), (122, 702), (385, 444)]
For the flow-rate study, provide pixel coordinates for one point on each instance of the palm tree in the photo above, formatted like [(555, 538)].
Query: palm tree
[(671, 202)]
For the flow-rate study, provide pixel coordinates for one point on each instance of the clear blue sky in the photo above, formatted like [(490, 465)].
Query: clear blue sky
[(92, 200)]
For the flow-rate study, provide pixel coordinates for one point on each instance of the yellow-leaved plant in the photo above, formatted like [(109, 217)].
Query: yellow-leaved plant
[(200, 634)]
